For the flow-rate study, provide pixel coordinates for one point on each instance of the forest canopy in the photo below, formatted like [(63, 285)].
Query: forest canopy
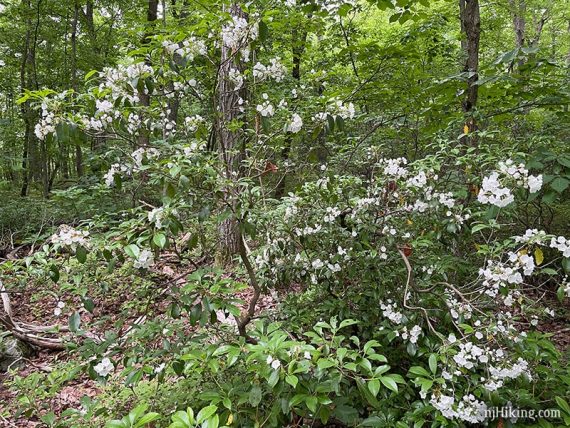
[(284, 213)]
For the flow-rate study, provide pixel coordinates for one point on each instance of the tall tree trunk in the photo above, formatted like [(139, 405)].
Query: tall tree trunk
[(519, 22), (75, 83), (25, 107), (151, 17), (231, 147), (298, 47), (471, 25)]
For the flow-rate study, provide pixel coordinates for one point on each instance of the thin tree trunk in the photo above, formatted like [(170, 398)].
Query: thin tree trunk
[(75, 83), (471, 26), (519, 22), (144, 96), (25, 108), (298, 48), (231, 145)]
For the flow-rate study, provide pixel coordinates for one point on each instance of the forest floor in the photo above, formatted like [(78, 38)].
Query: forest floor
[(123, 306)]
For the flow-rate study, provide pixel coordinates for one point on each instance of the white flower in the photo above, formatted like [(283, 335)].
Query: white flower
[(104, 106), (144, 260), (295, 124), (415, 333), (534, 183), (493, 193), (562, 245), (275, 364), (104, 367), (68, 236), (266, 109), (156, 216)]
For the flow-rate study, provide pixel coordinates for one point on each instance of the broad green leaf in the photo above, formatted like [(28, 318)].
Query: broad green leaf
[(74, 322), (389, 383), (374, 386), (205, 413)]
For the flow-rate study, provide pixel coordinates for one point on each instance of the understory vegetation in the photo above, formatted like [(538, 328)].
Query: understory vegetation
[(284, 213)]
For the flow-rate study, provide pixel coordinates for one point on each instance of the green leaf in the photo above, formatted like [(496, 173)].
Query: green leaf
[(74, 322), (53, 273), (263, 31), (418, 371), (132, 251), (311, 403), (374, 387), (81, 254), (273, 378), (563, 404), (325, 363), (205, 413), (389, 383), (146, 419), (560, 184), (346, 323), (134, 377), (159, 240), (292, 380), (90, 74), (254, 396), (183, 419), (433, 363)]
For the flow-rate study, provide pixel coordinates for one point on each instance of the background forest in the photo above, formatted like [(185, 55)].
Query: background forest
[(301, 213)]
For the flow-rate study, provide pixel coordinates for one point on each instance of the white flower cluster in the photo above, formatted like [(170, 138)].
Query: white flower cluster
[(457, 308), (104, 116), (395, 168), (332, 6), (338, 108), (295, 124), (275, 70), (493, 190), (47, 123), (235, 76), (238, 33), (58, 308), (498, 274), (266, 109), (193, 148), (331, 213), (390, 312), (193, 122), (109, 176), (70, 237), (156, 216), (469, 355), (561, 244), (187, 49), (469, 409), (499, 375), (144, 260), (273, 362), (531, 236), (142, 153), (121, 81), (104, 368), (413, 334)]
